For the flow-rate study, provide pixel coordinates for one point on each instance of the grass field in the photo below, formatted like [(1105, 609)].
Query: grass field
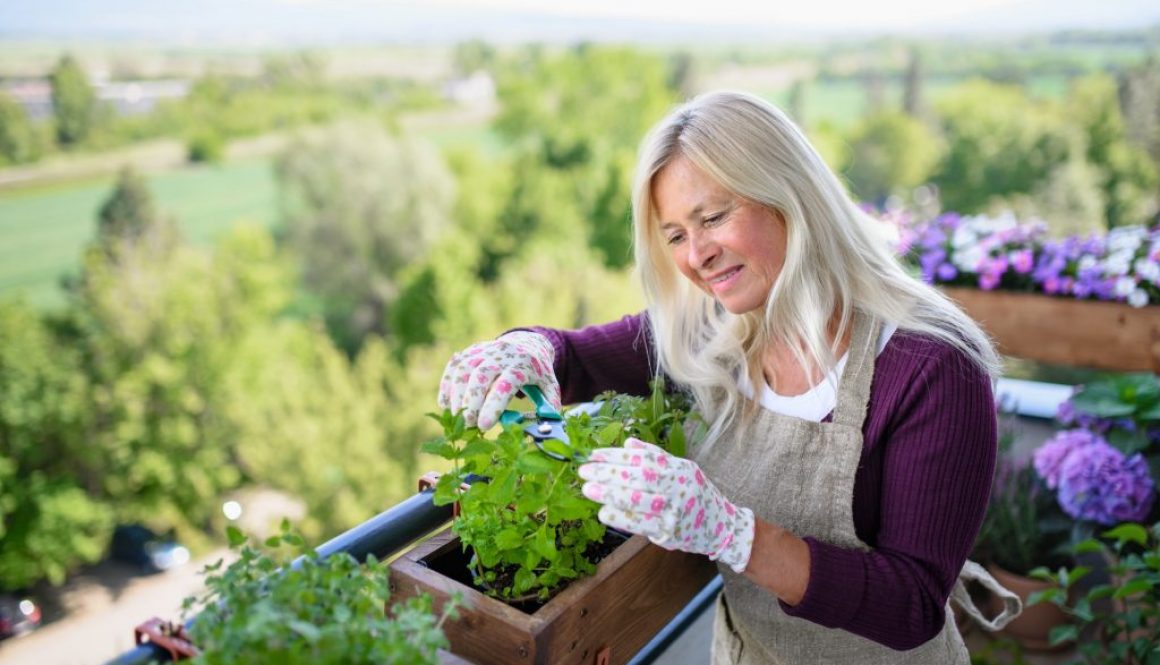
[(44, 229)]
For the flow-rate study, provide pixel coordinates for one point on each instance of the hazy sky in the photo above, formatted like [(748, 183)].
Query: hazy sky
[(451, 20)]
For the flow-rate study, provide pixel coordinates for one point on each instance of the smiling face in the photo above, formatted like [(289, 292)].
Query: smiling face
[(730, 247)]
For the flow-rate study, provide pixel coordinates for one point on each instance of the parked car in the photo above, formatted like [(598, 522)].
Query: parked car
[(138, 545), (18, 615)]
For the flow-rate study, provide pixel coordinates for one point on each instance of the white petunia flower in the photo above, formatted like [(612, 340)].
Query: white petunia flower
[(1138, 298)]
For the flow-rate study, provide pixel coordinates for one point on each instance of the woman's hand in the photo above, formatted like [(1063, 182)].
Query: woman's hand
[(481, 379), (668, 499)]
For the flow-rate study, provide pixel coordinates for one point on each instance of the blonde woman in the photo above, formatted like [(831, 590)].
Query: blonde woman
[(852, 432)]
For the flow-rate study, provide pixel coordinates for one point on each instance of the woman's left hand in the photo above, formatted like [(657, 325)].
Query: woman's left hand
[(668, 499)]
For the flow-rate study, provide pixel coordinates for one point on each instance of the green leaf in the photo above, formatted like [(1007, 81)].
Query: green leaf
[(1133, 587), (235, 536), (524, 580), (609, 434), (440, 448), (508, 539), (558, 447), (545, 543), (1065, 633), (1129, 532), (306, 630), (536, 463)]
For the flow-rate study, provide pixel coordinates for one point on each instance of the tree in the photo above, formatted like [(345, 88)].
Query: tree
[(74, 103), (49, 523), (579, 115), (1139, 94), (891, 152), (359, 206), (1125, 175), (129, 214), (999, 143), (912, 98), (19, 141), (796, 105)]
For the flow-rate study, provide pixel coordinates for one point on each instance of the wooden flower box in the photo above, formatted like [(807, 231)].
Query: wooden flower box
[(1067, 331), (603, 619)]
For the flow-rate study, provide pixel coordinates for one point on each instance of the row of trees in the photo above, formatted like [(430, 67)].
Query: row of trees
[(1083, 162), (290, 91)]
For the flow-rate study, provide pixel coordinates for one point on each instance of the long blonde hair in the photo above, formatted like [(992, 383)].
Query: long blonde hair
[(836, 259)]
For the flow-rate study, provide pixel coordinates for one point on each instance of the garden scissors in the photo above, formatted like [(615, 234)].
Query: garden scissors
[(545, 425)]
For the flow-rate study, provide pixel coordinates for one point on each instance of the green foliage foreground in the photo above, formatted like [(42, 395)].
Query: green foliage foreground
[(263, 608)]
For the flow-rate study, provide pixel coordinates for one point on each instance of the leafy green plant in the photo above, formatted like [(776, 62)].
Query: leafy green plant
[(264, 609), (528, 527), (1124, 407), (1124, 614)]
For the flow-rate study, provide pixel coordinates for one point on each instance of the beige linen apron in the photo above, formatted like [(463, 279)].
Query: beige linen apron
[(799, 475)]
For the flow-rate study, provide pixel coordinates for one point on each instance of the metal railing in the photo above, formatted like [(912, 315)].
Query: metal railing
[(391, 531)]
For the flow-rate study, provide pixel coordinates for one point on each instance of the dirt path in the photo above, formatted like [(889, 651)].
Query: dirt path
[(92, 617)]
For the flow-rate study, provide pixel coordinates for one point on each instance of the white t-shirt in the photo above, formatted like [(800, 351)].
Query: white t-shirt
[(817, 402)]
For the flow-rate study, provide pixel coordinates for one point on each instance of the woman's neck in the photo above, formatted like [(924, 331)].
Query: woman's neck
[(784, 373)]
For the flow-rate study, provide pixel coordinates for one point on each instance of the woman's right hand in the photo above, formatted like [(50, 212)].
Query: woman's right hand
[(481, 379)]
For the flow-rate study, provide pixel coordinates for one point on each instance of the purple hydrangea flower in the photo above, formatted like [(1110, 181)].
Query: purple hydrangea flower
[(1095, 481)]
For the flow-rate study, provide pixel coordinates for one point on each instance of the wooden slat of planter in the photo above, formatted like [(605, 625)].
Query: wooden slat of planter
[(1064, 331), (636, 590)]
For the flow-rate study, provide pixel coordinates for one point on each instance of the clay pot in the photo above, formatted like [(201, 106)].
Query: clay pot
[(1032, 628)]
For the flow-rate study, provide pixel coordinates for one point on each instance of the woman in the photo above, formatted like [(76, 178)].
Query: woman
[(852, 431)]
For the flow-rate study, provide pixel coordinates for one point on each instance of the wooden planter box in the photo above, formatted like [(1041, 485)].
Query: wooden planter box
[(1066, 331), (603, 619)]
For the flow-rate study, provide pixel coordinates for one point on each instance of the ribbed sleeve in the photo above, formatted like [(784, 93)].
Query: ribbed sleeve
[(610, 356)]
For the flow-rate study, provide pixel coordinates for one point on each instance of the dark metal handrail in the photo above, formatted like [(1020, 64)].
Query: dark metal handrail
[(389, 532)]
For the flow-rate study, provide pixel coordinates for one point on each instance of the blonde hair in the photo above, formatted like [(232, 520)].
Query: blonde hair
[(836, 259)]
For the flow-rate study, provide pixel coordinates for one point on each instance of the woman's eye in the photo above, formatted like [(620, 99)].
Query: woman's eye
[(713, 220), (674, 239)]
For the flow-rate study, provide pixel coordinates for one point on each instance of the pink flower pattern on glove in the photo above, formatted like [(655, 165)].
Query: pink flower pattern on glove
[(481, 379), (648, 492)]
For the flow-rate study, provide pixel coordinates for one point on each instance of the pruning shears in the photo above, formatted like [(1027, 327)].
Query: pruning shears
[(545, 425)]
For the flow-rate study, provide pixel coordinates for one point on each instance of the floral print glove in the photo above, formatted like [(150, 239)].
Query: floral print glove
[(481, 379), (666, 498)]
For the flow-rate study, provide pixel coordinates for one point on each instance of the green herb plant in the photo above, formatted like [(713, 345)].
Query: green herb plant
[(1129, 404), (264, 609), (1123, 615), (527, 526)]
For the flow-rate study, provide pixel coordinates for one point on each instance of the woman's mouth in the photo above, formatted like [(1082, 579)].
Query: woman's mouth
[(725, 280)]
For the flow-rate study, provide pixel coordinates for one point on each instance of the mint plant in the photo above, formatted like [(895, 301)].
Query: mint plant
[(528, 528), (262, 609)]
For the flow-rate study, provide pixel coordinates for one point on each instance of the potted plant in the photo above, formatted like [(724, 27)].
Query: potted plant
[(264, 609), (541, 578), (1023, 529), (1123, 615), (1019, 285)]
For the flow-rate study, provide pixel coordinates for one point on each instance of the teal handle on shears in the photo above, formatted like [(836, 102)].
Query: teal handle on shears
[(544, 410)]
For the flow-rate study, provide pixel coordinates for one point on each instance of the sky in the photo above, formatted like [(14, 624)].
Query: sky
[(548, 20)]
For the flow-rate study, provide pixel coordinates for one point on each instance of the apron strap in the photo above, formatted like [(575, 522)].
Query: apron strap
[(973, 572), (857, 376)]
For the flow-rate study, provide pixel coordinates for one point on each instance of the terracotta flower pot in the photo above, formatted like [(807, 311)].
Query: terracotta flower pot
[(1032, 628)]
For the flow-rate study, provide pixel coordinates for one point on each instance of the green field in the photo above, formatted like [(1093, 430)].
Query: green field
[(44, 229)]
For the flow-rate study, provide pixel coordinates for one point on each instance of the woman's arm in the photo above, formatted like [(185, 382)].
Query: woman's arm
[(938, 458), (609, 356)]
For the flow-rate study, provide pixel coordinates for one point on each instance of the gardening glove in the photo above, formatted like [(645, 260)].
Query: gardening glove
[(481, 379), (668, 499)]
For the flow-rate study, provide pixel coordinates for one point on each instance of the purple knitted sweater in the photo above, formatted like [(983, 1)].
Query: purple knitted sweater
[(919, 494)]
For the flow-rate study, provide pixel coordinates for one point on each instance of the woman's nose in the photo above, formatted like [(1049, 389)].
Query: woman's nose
[(702, 250)]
